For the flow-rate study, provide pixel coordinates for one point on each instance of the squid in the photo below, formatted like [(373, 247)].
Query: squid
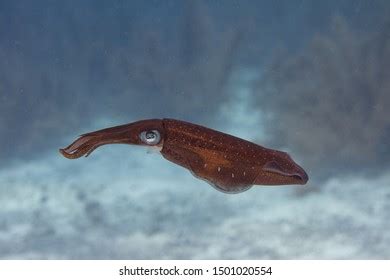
[(228, 163)]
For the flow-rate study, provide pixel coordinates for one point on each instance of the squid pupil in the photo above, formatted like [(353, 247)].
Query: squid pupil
[(150, 135)]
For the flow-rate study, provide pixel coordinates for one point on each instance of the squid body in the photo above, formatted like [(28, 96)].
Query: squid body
[(228, 163)]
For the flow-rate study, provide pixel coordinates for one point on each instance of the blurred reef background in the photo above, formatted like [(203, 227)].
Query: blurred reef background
[(307, 77)]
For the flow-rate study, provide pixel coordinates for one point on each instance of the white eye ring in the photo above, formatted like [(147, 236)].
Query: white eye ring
[(150, 137)]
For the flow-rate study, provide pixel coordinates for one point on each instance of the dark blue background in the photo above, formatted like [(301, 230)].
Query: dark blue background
[(308, 77)]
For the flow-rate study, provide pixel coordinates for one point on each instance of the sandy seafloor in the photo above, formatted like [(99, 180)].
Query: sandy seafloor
[(125, 203), (136, 206)]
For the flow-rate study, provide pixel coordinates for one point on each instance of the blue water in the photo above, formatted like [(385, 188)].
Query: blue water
[(306, 77)]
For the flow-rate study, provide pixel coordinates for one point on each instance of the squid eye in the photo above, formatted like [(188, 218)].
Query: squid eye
[(150, 137)]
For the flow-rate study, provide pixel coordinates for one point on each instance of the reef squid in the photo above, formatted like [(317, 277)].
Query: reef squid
[(228, 163)]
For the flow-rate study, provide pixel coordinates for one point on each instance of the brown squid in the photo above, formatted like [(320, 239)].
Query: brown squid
[(228, 163)]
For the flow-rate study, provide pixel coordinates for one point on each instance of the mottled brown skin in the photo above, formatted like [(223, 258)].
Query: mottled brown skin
[(228, 163)]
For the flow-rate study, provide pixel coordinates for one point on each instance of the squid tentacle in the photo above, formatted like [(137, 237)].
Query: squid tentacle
[(84, 145)]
